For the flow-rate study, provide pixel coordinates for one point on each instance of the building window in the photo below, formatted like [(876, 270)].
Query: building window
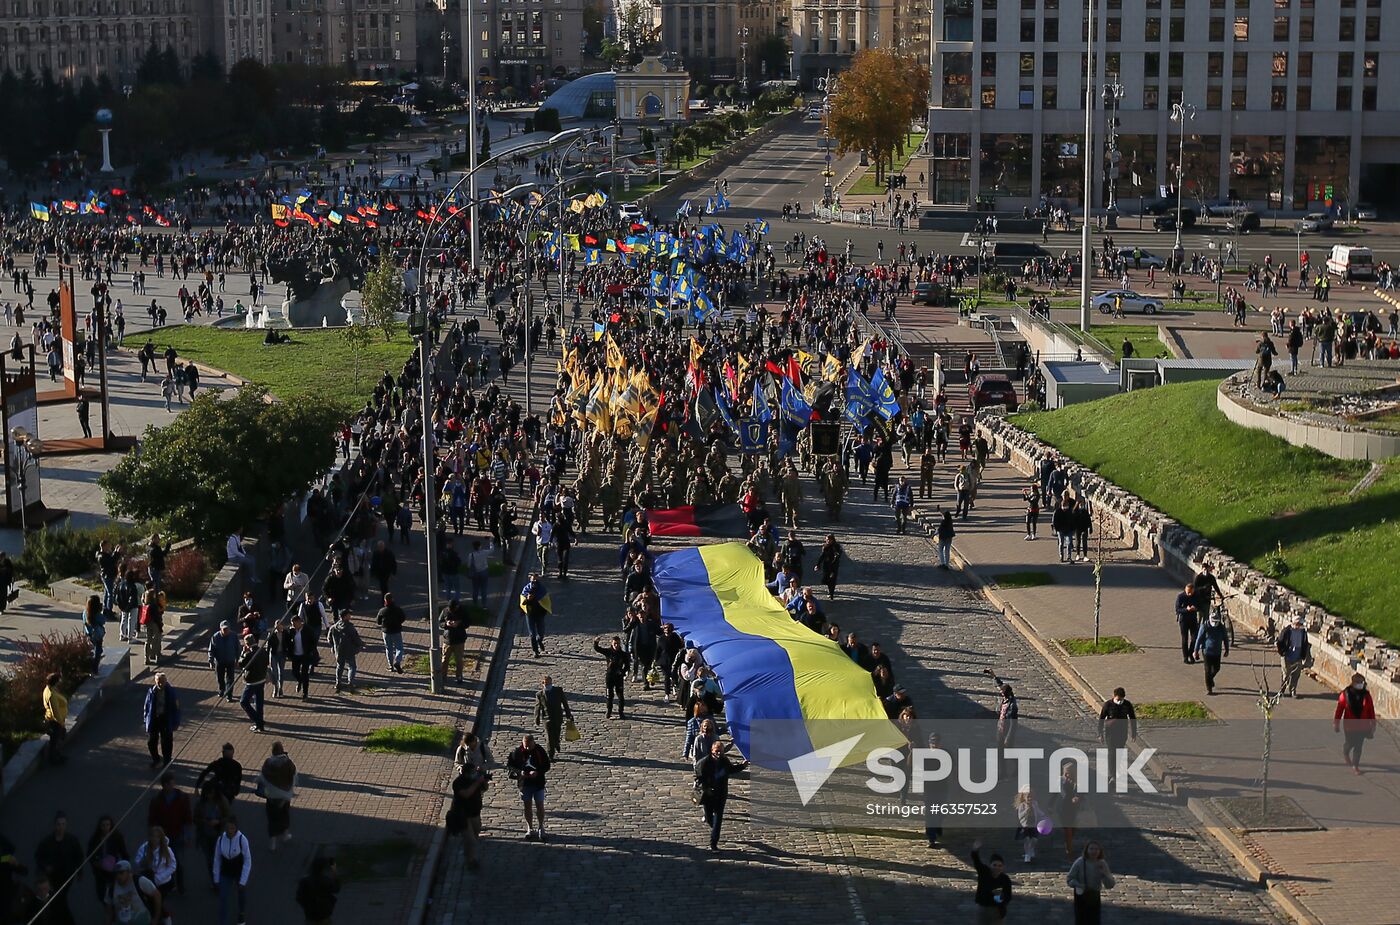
[(989, 97), (1344, 99), (1152, 64), (1280, 28), (1027, 64), (1113, 62), (1280, 66), (1114, 30), (1028, 30), (1345, 64), (1305, 29), (957, 80), (1239, 64), (1175, 64), (1304, 98), (1051, 30), (1346, 29), (1241, 28), (1006, 165), (989, 64), (1217, 29), (989, 29), (1304, 64), (1026, 99), (1213, 97), (1051, 65), (1239, 99), (1152, 32), (1373, 28), (1215, 64), (950, 166), (1049, 98), (1149, 96), (1278, 98), (1176, 30), (1368, 64)]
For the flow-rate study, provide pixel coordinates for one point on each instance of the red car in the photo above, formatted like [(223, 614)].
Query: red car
[(986, 390)]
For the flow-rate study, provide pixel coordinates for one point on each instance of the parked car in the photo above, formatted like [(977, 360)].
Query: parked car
[(1159, 206), (1365, 212), (1168, 222), (629, 212), (988, 390), (1243, 222), (1140, 257), (1224, 207), (930, 293), (1012, 254), (1316, 221), (1133, 302)]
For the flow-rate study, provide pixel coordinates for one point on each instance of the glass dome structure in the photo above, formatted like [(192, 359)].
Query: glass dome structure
[(590, 96)]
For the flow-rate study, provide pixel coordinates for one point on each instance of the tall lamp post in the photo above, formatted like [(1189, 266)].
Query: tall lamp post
[(1086, 253), (418, 326), (26, 454), (1182, 112), (1112, 93), (826, 84)]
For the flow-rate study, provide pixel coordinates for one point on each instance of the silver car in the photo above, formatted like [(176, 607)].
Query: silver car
[(1133, 302), (1147, 259), (1315, 221)]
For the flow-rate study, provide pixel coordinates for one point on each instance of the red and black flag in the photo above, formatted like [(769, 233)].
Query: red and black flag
[(720, 520)]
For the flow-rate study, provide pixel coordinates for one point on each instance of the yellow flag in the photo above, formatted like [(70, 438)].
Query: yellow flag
[(806, 361), (576, 207), (831, 369), (614, 356), (859, 355)]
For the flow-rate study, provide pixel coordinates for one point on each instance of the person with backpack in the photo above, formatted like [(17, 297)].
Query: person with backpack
[(345, 646), (233, 862)]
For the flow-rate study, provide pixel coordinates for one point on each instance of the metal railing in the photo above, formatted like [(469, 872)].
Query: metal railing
[(1105, 352)]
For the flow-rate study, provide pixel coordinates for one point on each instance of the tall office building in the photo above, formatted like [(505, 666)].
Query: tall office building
[(1286, 96), (240, 29), (370, 37), (826, 34), (720, 38), (521, 43), (73, 39)]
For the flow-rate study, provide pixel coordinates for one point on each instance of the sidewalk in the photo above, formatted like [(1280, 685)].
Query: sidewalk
[(1343, 874)]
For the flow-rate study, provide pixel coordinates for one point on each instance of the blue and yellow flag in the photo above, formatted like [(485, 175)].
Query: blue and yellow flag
[(39, 212), (885, 401), (859, 401), (787, 690), (795, 407)]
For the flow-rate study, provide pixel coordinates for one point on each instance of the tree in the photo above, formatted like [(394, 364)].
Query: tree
[(871, 106), (547, 120), (485, 142), (224, 463), (357, 338), (634, 26), (381, 297), (612, 52)]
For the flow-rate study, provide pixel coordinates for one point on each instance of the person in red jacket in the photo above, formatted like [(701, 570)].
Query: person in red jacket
[(171, 810), (1355, 718)]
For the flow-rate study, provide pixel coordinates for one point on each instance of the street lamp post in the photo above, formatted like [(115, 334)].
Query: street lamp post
[(469, 39), (26, 453), (1086, 253), (425, 389), (1182, 112), (1112, 93), (826, 85)]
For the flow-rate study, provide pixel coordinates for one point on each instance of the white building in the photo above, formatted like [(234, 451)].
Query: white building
[(1288, 108)]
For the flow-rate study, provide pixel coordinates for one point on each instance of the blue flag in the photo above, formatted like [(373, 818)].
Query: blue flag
[(761, 226), (795, 407), (761, 411), (859, 402), (883, 396), (726, 412), (753, 435)]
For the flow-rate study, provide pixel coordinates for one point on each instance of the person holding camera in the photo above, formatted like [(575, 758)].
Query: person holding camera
[(527, 766)]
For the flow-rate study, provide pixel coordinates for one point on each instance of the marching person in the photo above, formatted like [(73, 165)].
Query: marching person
[(618, 663)]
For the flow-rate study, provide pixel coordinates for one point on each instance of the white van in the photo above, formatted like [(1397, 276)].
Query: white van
[(1350, 262)]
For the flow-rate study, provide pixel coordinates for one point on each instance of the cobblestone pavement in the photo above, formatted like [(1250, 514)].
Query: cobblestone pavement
[(626, 843)]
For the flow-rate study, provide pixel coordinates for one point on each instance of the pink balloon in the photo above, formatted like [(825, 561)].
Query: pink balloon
[(1044, 827)]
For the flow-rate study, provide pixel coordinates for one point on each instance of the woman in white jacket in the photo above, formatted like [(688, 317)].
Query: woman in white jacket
[(233, 862), (156, 861)]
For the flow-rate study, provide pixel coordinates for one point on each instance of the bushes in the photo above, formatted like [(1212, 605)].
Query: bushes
[(22, 688), (53, 554), (186, 574)]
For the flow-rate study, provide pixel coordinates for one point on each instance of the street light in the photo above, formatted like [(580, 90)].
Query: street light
[(1112, 93), (418, 325), (1086, 252), (27, 449), (1182, 113), (826, 84)]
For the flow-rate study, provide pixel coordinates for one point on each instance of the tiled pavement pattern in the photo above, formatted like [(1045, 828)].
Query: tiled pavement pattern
[(626, 844)]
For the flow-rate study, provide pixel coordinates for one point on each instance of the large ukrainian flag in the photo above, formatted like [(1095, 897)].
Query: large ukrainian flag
[(799, 688)]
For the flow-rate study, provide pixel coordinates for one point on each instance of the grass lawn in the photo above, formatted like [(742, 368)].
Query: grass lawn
[(1247, 492), (1143, 337), (866, 185), (1173, 711), (413, 739), (1107, 645), (316, 362), (637, 191), (1023, 579)]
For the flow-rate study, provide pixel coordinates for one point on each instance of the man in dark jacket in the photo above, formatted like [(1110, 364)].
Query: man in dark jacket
[(552, 708), (1117, 723), (1294, 650), (223, 657), (528, 765), (223, 771), (383, 565), (391, 619), (1212, 644), (58, 857), (316, 892), (616, 673), (1188, 622)]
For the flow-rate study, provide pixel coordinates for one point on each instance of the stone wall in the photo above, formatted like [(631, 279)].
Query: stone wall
[(1339, 648)]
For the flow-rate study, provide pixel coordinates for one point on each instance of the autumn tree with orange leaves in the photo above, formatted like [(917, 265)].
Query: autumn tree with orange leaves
[(874, 103)]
